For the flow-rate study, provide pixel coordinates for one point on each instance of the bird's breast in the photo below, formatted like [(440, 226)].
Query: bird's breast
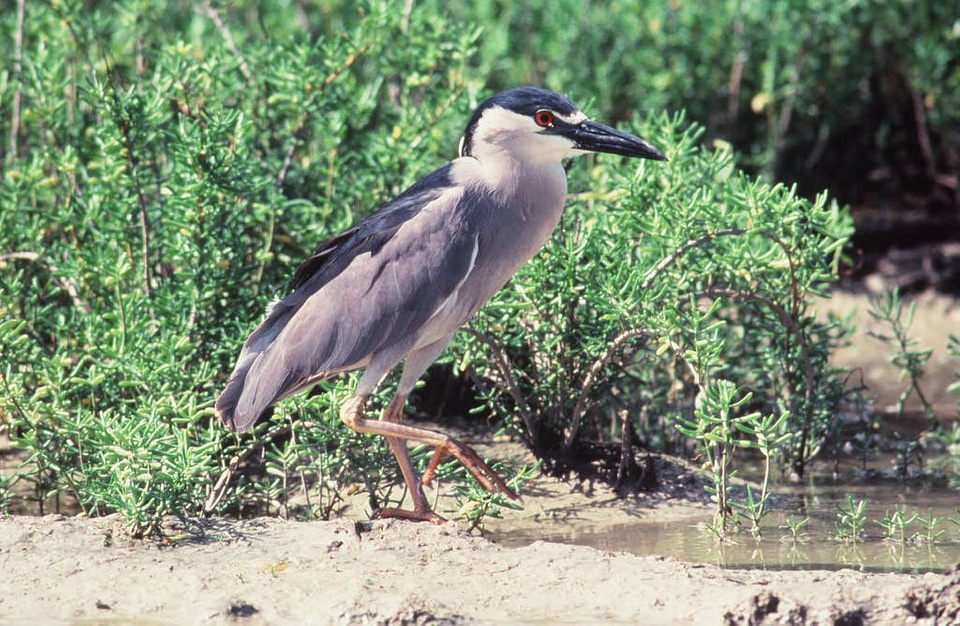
[(519, 219), (510, 224), (527, 212)]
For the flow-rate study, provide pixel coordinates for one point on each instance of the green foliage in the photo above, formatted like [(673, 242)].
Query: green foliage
[(165, 169), (807, 90), (888, 310), (895, 524), (476, 504), (953, 348), (795, 527), (955, 520), (930, 531), (713, 427), (165, 166), (652, 296), (851, 519), (767, 435)]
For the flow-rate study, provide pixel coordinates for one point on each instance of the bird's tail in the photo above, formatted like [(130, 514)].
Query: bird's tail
[(227, 404), (256, 382)]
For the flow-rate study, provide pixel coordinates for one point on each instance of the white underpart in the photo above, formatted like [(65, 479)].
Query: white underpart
[(452, 298)]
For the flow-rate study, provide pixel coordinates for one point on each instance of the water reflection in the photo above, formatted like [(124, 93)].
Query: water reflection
[(816, 545)]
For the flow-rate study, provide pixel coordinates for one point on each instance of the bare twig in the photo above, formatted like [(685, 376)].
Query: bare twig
[(133, 167), (405, 18), (736, 72), (225, 33), (733, 86), (287, 161), (24, 256), (509, 382), (690, 245), (626, 447), (67, 285), (786, 112), (349, 61), (220, 488), (145, 236), (17, 76), (590, 379), (923, 133)]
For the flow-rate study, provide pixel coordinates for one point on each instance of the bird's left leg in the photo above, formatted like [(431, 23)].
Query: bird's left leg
[(352, 414), (391, 427)]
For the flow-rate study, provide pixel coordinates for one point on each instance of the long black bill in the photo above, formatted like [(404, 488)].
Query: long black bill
[(595, 137)]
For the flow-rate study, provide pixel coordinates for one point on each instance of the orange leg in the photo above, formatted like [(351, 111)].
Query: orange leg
[(390, 426)]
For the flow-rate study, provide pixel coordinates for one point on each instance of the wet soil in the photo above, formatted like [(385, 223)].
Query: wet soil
[(269, 571)]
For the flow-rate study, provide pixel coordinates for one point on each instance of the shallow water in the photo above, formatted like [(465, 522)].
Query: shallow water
[(817, 546)]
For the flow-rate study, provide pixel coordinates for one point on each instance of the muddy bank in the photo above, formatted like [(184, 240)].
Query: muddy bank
[(269, 571)]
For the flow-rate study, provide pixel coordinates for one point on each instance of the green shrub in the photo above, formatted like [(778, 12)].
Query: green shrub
[(167, 166), (662, 282), (824, 93)]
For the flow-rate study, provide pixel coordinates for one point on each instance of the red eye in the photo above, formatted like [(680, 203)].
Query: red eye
[(543, 118)]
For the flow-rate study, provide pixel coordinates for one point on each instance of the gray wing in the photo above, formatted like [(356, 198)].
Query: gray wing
[(366, 291)]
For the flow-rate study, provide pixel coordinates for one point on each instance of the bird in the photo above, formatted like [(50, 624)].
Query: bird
[(395, 287)]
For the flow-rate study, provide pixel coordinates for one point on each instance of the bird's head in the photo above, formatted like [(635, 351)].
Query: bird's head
[(530, 125)]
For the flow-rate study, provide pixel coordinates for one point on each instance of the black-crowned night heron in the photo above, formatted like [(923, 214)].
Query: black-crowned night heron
[(396, 286)]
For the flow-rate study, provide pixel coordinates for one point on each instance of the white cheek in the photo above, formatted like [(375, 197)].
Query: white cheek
[(553, 148)]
